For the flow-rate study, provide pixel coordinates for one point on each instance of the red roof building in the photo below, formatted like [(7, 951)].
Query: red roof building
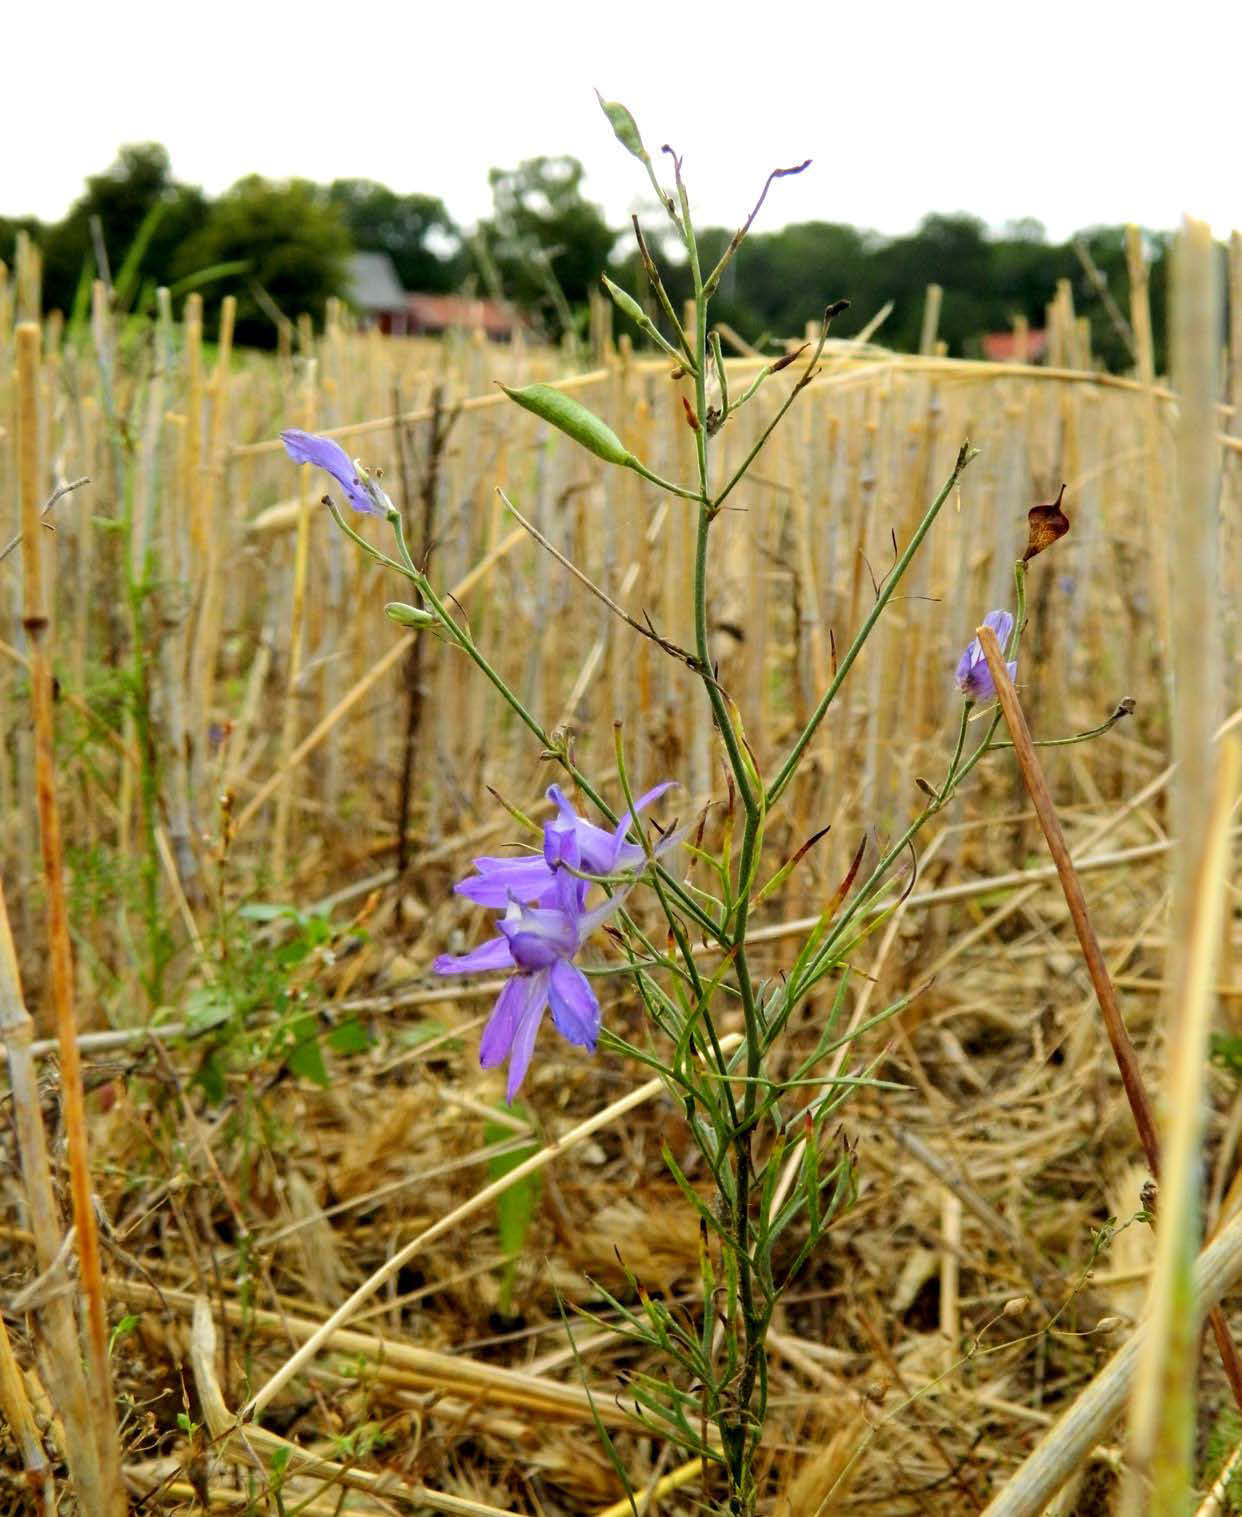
[(1002, 347), (429, 315)]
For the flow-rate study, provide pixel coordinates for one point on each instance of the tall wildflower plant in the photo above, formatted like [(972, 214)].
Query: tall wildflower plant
[(764, 1125)]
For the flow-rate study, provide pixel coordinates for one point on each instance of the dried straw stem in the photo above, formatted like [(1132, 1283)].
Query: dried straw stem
[(1163, 1412), (403, 1365), (1118, 1037), (35, 622), (1037, 786), (15, 1407), (57, 1337)]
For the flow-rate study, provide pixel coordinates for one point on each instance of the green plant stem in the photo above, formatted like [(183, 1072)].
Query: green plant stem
[(466, 643), (786, 772), (967, 707), (807, 375), (664, 484), (737, 1422)]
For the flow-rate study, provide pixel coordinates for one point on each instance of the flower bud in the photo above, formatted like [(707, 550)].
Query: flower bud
[(408, 616), (624, 126), (626, 304)]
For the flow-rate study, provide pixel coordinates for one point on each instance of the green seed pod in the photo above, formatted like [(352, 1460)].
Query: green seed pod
[(625, 127), (572, 417), (626, 304), (409, 616)]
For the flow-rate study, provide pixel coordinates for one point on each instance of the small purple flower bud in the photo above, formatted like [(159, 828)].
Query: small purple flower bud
[(974, 678), (360, 489)]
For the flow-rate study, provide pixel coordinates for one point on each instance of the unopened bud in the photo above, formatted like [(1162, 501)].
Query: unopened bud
[(408, 616)]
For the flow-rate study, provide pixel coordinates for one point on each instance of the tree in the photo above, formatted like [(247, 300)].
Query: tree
[(140, 209), (406, 227), (293, 244), (546, 243)]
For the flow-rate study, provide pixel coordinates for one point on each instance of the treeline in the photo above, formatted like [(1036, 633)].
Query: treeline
[(282, 247)]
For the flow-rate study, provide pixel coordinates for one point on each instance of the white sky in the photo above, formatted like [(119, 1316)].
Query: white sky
[(1075, 114)]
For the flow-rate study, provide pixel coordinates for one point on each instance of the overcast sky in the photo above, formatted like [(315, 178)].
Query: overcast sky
[(1075, 114)]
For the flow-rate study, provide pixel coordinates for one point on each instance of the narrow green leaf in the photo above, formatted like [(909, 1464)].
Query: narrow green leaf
[(516, 1206)]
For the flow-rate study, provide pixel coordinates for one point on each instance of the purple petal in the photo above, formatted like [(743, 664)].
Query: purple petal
[(536, 998), (500, 880), (640, 804), (324, 453), (588, 921), (501, 1026), (977, 682), (494, 954), (560, 845), (538, 936), (574, 1007), (974, 678), (596, 851), (1001, 622)]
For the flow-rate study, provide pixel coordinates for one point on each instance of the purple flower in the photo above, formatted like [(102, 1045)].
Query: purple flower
[(360, 489), (974, 678), (539, 942), (545, 923), (498, 880)]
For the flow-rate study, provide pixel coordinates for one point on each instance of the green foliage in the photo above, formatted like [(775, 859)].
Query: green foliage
[(545, 247), (136, 194), (409, 228), (546, 243), (260, 1009), (1225, 1051), (293, 243)]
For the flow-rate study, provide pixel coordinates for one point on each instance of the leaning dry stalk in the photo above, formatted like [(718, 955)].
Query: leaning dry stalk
[(1101, 980), (35, 622)]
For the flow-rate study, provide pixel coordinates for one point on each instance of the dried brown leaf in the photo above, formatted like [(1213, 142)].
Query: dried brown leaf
[(1045, 525)]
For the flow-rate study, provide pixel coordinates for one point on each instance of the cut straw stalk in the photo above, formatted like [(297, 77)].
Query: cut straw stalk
[(35, 623), (297, 619), (56, 1331), (1163, 1419), (1163, 1412), (405, 1366)]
